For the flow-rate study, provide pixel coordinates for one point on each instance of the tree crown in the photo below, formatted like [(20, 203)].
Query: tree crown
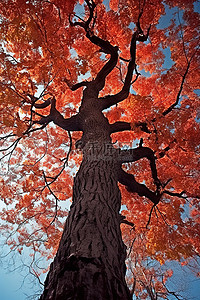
[(49, 54)]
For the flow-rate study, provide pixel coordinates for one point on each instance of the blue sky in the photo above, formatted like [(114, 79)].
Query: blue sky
[(12, 287), (16, 283)]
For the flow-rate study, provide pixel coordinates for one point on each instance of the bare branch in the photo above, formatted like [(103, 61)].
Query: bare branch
[(175, 194), (150, 214), (56, 207), (169, 109), (11, 148), (130, 249), (178, 297), (162, 216)]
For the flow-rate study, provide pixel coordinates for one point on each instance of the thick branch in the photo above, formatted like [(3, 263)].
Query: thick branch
[(119, 126), (133, 186), (85, 24), (110, 100), (105, 46), (75, 86), (39, 105), (129, 181), (132, 155), (70, 124), (123, 126)]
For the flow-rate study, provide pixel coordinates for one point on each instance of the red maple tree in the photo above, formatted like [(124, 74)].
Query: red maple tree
[(85, 85)]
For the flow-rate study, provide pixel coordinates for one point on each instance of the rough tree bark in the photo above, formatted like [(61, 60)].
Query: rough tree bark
[(90, 262)]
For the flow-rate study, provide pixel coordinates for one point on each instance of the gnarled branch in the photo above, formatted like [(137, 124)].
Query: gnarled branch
[(110, 100), (134, 187), (132, 155), (70, 124), (105, 46)]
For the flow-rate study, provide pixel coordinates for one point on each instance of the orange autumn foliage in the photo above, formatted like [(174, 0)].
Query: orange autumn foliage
[(42, 55)]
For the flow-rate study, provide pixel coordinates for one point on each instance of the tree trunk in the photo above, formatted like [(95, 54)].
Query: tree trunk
[(90, 262)]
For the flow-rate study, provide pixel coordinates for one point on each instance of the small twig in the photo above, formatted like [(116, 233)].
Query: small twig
[(150, 214), (131, 247), (162, 216), (169, 109), (120, 72), (179, 195), (124, 59), (128, 223), (56, 208), (137, 75)]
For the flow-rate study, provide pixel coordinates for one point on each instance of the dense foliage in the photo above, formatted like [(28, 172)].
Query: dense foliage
[(42, 56)]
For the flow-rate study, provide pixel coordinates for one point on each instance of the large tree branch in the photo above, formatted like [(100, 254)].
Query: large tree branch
[(34, 99), (129, 181), (110, 100), (70, 124), (119, 126), (132, 155), (133, 186), (86, 24), (105, 46), (75, 86), (123, 126)]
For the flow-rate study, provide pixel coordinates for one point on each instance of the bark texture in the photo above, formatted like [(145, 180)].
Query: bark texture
[(90, 262)]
